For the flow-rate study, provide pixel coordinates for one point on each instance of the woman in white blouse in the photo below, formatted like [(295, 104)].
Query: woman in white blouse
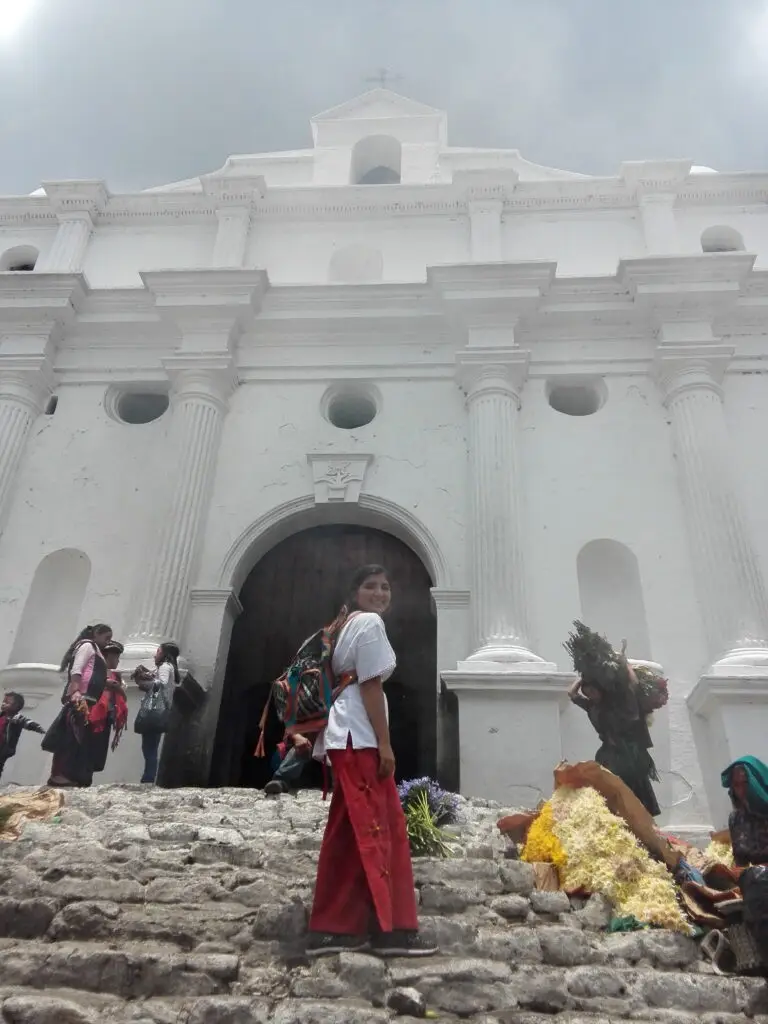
[(167, 677), (364, 894)]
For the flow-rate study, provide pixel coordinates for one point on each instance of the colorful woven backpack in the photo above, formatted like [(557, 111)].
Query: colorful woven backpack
[(304, 694)]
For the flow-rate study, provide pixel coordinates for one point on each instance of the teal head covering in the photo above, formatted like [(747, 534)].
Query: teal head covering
[(757, 782)]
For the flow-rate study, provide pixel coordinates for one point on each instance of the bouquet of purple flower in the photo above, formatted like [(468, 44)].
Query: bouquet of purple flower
[(443, 806)]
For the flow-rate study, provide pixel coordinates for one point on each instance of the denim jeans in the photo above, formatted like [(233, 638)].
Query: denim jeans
[(150, 748), (291, 767)]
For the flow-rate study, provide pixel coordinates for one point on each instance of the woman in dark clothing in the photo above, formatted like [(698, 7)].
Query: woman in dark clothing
[(747, 783), (75, 748), (619, 720)]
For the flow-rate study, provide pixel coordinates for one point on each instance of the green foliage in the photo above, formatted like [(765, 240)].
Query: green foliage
[(594, 659), (427, 839)]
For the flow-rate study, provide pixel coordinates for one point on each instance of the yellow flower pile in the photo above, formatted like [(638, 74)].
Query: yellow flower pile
[(542, 845), (596, 852), (719, 853)]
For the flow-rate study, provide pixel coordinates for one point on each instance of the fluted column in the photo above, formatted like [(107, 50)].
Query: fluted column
[(23, 392), (199, 403), (730, 584), (657, 211), (492, 380), (77, 205), (68, 250)]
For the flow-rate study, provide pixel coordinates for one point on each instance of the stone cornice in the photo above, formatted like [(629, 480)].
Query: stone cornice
[(228, 191), (646, 178), (553, 685), (676, 286), (27, 299), (483, 293), (748, 686), (77, 197), (217, 597), (408, 200), (220, 301)]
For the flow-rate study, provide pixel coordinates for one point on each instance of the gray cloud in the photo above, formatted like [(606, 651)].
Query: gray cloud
[(143, 92)]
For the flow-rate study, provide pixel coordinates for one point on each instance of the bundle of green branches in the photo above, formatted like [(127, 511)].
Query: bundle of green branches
[(425, 836), (595, 660)]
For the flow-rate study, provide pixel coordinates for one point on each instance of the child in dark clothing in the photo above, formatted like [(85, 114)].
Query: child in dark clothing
[(12, 722)]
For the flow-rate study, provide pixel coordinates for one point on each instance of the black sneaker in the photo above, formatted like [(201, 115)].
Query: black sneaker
[(275, 787), (411, 944), (325, 944)]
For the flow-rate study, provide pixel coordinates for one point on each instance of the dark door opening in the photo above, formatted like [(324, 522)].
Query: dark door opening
[(293, 590)]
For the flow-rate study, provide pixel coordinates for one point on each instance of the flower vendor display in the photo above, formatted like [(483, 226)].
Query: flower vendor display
[(595, 852), (428, 808)]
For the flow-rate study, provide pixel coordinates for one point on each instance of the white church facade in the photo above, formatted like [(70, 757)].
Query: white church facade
[(536, 395)]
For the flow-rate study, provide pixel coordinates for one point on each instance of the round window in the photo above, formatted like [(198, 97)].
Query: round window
[(350, 408), (135, 406), (576, 398)]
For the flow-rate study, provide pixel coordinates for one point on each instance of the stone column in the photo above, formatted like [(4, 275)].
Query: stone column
[(25, 385), (657, 210), (77, 205), (730, 584), (234, 199), (231, 236), (485, 230), (200, 394), (492, 380)]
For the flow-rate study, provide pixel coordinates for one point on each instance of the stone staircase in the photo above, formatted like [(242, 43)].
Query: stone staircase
[(189, 907)]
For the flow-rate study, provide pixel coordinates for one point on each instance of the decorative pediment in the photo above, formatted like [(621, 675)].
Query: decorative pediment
[(377, 103), (338, 478)]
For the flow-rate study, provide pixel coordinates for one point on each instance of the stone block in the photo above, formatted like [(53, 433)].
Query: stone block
[(518, 877), (551, 903), (512, 908), (25, 919)]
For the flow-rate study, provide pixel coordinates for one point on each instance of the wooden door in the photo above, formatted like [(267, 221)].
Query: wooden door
[(297, 587)]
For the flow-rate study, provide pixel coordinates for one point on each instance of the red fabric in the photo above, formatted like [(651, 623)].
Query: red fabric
[(97, 716), (364, 876), (4, 720)]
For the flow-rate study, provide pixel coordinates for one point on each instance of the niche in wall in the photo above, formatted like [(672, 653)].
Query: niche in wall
[(51, 616), (611, 594)]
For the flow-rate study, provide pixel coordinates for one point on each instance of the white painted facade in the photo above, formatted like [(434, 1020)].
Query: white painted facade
[(465, 300)]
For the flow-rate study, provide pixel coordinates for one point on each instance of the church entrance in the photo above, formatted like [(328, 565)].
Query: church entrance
[(293, 590)]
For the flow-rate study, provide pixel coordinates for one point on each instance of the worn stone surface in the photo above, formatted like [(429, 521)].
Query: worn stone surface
[(146, 906)]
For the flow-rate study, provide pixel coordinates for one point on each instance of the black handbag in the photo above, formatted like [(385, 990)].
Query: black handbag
[(55, 733), (154, 712)]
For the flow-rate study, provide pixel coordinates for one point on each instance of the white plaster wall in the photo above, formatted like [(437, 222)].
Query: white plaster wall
[(583, 244), (750, 221), (116, 253), (20, 234), (299, 252), (612, 475), (86, 482), (417, 440)]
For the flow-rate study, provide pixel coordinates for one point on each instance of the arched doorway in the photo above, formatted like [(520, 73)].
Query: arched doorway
[(296, 587)]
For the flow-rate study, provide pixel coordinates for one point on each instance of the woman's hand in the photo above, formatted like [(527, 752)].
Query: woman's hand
[(386, 760), (574, 688)]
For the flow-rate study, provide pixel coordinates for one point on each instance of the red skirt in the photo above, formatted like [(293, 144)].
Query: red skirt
[(364, 875)]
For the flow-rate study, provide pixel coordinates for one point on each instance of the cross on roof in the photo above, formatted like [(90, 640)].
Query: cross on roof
[(384, 78)]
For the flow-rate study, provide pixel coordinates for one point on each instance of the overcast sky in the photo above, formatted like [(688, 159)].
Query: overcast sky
[(143, 92)]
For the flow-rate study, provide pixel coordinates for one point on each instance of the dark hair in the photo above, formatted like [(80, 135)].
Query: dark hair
[(18, 700), (114, 646), (358, 579), (171, 653), (89, 633)]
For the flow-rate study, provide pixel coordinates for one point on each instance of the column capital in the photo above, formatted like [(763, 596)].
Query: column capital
[(648, 178), (77, 199), (485, 184), (482, 371), (681, 368), (26, 379), (217, 597), (207, 378), (28, 301), (233, 190)]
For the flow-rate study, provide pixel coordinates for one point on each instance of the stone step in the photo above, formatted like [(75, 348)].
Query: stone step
[(92, 983)]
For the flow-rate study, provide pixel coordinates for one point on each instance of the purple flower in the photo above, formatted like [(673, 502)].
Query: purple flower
[(443, 805)]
